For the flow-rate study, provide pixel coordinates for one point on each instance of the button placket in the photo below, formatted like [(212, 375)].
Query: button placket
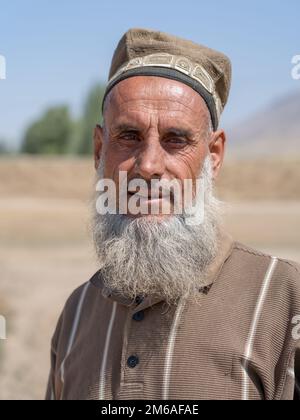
[(125, 355), (131, 358)]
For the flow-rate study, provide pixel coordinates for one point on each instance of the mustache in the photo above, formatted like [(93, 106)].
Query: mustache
[(155, 187)]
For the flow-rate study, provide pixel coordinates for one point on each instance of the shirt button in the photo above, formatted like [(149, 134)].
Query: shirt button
[(132, 361), (139, 316)]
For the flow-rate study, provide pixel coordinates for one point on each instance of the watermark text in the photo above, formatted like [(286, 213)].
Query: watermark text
[(161, 197), (296, 329), (296, 67), (2, 328), (2, 67)]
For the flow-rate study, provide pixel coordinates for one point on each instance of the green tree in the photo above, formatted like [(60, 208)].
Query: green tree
[(51, 134), (92, 115), (3, 147)]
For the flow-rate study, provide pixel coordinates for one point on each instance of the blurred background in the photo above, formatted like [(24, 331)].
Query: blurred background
[(57, 57)]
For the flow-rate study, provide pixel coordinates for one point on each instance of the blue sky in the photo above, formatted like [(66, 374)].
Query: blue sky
[(56, 50)]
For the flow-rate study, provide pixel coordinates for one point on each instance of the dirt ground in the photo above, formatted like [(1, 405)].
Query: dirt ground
[(45, 248)]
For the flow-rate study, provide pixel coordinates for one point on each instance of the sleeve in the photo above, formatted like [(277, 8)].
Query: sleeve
[(52, 392), (297, 374), (296, 336)]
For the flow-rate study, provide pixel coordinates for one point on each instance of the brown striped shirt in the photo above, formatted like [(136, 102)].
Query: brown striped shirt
[(240, 340)]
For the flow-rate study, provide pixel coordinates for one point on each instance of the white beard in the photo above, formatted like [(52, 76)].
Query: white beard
[(163, 257)]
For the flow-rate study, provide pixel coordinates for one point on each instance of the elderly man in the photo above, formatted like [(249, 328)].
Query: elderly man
[(177, 310)]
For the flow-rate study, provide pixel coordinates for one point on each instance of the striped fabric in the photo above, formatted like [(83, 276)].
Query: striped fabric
[(239, 340)]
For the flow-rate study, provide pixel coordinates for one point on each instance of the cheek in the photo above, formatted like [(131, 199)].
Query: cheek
[(115, 162), (187, 165)]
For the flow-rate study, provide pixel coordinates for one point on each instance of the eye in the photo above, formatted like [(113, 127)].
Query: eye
[(129, 136), (176, 141)]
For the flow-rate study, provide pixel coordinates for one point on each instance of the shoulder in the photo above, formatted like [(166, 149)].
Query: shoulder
[(252, 253), (83, 296), (86, 291), (268, 283), (287, 272)]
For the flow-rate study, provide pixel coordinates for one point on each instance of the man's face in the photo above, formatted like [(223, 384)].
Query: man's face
[(156, 128)]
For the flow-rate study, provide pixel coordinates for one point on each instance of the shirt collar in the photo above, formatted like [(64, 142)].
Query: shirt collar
[(224, 251)]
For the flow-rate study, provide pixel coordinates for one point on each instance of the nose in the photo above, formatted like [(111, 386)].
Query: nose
[(150, 163)]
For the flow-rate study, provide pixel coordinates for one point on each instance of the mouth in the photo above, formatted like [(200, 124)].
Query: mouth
[(149, 203), (150, 196)]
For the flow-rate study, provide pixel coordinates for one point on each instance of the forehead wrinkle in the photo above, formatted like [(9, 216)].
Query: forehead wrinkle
[(172, 114), (158, 104), (174, 92), (178, 113), (190, 110)]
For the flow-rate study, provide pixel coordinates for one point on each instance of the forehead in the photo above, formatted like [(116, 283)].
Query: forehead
[(155, 95)]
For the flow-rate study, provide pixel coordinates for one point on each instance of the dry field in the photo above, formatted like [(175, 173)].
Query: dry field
[(45, 250)]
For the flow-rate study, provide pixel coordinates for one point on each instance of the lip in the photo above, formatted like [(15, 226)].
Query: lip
[(147, 197), (150, 201), (150, 197)]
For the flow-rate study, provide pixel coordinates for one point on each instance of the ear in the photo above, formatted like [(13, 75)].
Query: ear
[(217, 150), (98, 142)]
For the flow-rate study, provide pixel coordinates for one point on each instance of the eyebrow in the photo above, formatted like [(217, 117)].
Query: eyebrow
[(124, 127), (179, 132)]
